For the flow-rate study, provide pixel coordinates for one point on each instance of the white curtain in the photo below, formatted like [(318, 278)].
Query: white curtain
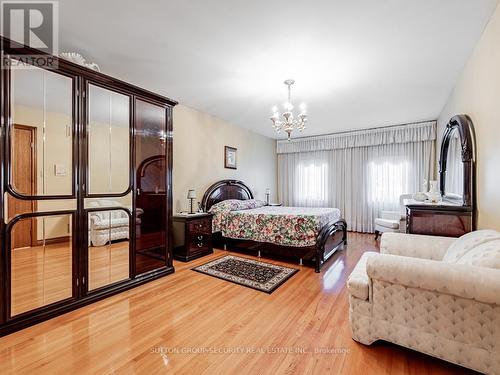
[(361, 181)]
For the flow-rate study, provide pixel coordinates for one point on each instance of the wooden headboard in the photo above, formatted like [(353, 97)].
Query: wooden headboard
[(225, 189)]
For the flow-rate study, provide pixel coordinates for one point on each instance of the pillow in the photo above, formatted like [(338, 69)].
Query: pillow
[(468, 242), (251, 203), (485, 255), (236, 204), (225, 206)]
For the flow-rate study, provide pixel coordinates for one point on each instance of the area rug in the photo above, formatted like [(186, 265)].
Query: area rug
[(262, 276)]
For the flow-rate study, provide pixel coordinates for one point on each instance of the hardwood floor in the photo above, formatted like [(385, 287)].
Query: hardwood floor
[(42, 275), (190, 323)]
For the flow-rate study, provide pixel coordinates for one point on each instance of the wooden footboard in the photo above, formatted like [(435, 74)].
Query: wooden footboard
[(330, 238)]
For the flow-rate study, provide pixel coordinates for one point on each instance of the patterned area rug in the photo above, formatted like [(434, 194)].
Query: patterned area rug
[(265, 277)]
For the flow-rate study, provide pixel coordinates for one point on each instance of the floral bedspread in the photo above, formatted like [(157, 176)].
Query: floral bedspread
[(288, 226)]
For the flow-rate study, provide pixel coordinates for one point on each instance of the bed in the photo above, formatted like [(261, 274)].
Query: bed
[(240, 222)]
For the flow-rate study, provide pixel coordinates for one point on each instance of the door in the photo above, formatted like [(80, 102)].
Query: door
[(108, 198), (24, 179), (41, 212), (151, 187)]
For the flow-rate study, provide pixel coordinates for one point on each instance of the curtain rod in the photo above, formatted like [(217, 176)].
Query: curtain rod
[(357, 130)]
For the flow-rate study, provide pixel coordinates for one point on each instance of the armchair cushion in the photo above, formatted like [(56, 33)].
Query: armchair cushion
[(415, 245), (386, 223), (392, 215), (470, 282), (485, 255), (358, 282), (467, 242)]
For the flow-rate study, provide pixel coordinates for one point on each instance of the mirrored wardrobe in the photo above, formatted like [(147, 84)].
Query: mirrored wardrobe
[(86, 188)]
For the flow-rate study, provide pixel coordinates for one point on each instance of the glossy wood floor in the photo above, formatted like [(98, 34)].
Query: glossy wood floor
[(42, 274), (190, 323)]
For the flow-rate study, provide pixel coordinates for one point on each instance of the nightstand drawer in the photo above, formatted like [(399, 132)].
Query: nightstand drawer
[(197, 246), (202, 226)]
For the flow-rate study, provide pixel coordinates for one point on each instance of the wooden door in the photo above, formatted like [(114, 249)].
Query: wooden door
[(24, 182)]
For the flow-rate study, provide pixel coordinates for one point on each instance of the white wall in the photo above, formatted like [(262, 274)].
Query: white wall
[(199, 141), (477, 94)]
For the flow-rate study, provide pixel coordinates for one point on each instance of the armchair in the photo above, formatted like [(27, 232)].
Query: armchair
[(409, 295), (392, 221)]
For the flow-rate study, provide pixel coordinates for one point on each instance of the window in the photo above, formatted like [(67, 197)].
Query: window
[(311, 184), (388, 179)]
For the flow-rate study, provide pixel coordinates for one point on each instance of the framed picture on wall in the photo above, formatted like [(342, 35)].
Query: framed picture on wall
[(230, 157)]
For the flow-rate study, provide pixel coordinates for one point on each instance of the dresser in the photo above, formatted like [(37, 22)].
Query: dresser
[(456, 214), (441, 219), (192, 236)]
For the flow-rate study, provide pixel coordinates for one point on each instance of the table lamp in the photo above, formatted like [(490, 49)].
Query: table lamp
[(191, 196), (268, 193)]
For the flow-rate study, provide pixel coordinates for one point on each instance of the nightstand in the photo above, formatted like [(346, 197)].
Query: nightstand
[(192, 236)]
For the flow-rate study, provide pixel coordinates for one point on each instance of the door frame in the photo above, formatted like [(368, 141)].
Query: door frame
[(34, 175)]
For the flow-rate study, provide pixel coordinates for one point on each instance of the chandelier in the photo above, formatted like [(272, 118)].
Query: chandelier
[(287, 121)]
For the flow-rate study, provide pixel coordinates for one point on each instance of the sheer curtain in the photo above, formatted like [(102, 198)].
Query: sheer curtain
[(362, 175)]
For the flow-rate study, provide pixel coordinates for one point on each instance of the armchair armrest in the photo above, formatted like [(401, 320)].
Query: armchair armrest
[(415, 245), (358, 282), (470, 282)]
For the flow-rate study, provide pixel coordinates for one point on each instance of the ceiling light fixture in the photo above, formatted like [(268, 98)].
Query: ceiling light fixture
[(286, 121)]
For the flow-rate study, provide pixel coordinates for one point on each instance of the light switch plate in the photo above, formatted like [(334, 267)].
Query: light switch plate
[(60, 170)]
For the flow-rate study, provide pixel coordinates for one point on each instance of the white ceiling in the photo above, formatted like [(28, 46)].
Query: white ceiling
[(357, 64)]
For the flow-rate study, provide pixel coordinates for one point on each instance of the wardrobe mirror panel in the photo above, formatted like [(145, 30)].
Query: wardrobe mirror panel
[(108, 252), (108, 141), (40, 264), (41, 132), (151, 193)]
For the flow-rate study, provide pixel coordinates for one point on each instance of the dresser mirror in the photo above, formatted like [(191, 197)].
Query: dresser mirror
[(456, 214), (456, 164), (454, 181)]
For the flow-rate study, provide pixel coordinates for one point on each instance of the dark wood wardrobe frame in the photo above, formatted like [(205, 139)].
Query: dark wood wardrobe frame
[(81, 78)]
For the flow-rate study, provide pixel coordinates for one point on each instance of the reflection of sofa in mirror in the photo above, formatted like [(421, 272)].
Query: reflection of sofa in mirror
[(107, 226)]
